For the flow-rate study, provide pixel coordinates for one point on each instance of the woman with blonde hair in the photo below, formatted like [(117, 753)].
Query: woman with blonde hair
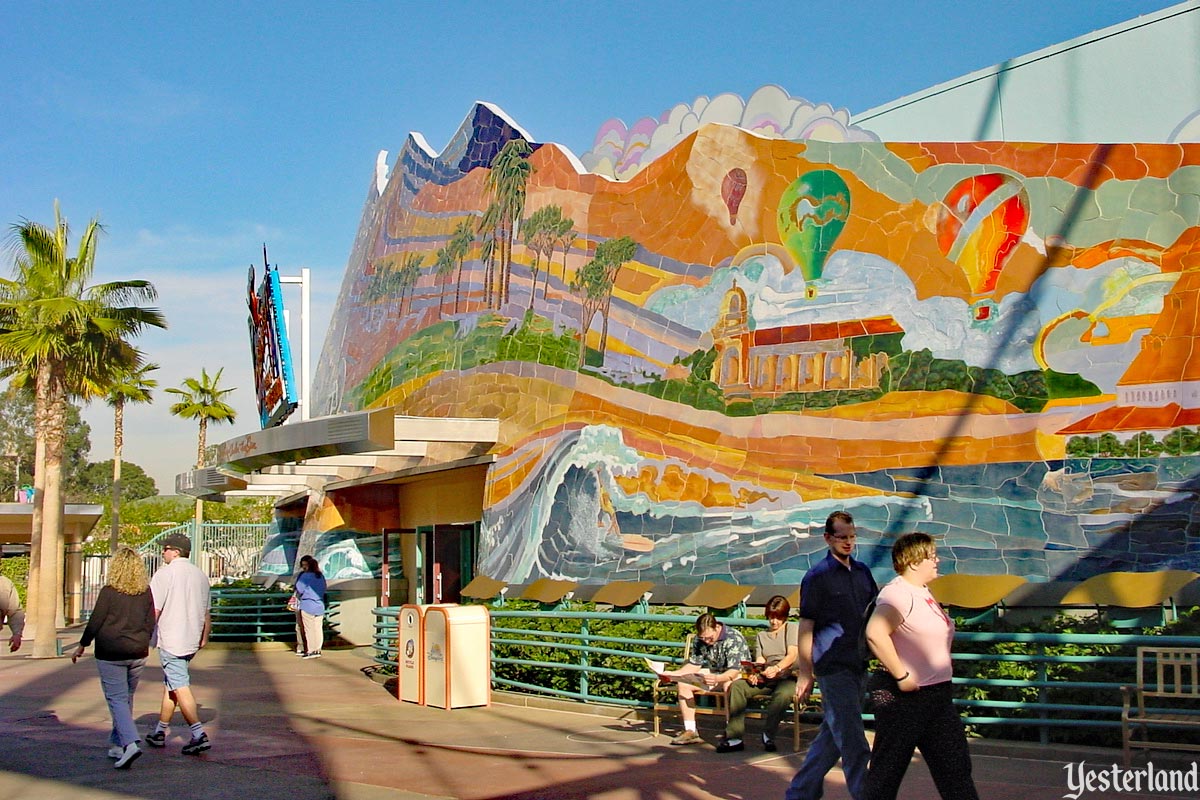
[(121, 625), (911, 635)]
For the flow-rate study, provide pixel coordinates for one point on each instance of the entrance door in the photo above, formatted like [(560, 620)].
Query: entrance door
[(447, 561)]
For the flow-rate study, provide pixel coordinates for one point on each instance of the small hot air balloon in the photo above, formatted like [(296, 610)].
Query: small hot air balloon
[(733, 189), (812, 212), (979, 224)]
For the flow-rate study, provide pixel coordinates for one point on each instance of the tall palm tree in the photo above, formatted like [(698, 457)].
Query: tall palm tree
[(202, 399), (460, 247), (134, 386), (65, 333)]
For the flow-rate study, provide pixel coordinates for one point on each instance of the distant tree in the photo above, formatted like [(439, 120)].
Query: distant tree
[(409, 273), (131, 386), (545, 229), (614, 253), (460, 247), (1110, 446), (98, 483), (16, 436), (201, 399)]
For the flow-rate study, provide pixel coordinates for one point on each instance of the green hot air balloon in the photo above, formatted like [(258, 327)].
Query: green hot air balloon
[(812, 212)]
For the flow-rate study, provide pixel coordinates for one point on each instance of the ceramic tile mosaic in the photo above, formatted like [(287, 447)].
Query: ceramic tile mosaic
[(705, 347)]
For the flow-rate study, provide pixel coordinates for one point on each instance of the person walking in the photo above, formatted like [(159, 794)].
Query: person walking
[(11, 612), (181, 598), (310, 611), (121, 625), (911, 635), (834, 596)]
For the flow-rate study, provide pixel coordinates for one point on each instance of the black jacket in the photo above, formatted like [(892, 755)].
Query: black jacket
[(121, 625)]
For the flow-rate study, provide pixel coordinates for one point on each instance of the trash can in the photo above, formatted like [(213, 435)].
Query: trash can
[(411, 646), (457, 656)]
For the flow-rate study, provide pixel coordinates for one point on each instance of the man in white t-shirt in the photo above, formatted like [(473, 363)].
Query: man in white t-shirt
[(181, 598)]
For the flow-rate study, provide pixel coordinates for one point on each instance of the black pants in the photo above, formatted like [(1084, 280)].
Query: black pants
[(924, 719)]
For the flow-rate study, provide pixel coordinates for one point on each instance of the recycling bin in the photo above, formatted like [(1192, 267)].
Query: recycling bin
[(457, 668)]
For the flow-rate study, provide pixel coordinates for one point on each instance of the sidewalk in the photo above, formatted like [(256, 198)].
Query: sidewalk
[(319, 729)]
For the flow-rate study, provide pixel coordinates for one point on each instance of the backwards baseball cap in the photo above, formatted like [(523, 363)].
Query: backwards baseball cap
[(179, 542)]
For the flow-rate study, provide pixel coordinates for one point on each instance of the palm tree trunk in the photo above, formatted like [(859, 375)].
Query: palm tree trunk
[(49, 586), (114, 540), (35, 535)]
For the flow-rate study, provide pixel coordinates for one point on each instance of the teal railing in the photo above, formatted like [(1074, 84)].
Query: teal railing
[(1039, 680), (260, 615)]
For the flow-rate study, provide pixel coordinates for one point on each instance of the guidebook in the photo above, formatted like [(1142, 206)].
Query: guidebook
[(659, 668)]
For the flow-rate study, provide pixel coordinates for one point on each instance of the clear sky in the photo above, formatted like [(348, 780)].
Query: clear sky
[(197, 131)]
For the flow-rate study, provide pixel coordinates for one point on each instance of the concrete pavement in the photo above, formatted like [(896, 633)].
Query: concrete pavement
[(319, 729)]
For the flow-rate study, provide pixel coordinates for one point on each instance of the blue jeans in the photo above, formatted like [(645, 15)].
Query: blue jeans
[(841, 735), (119, 680)]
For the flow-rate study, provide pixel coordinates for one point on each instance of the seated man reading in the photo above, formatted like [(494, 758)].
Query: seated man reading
[(778, 649), (716, 657)]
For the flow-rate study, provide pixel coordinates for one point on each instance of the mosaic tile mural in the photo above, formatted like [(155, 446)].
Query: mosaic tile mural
[(989, 342)]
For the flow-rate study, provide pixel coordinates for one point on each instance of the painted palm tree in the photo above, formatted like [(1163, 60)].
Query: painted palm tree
[(538, 233), (594, 285), (460, 247), (443, 265), (134, 386), (406, 278), (63, 331), (615, 253), (507, 181)]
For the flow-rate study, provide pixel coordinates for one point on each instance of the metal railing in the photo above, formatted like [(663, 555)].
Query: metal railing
[(259, 615), (1015, 679), (225, 551)]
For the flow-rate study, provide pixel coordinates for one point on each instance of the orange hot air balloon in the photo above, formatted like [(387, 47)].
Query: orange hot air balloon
[(733, 189), (979, 224)]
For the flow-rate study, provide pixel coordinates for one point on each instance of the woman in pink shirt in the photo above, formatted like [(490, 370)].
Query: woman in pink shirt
[(911, 635)]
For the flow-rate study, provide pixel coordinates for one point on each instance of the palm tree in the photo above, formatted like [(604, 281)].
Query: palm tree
[(594, 284), (443, 265), (64, 333), (134, 386), (507, 181), (201, 399)]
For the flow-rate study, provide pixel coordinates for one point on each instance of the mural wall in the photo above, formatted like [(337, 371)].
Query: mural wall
[(989, 342)]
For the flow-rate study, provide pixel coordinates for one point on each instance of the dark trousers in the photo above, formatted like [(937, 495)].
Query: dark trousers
[(924, 719)]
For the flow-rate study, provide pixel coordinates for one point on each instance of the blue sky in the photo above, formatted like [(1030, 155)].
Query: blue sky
[(197, 131)]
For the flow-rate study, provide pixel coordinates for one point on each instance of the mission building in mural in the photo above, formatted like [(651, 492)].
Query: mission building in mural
[(701, 338)]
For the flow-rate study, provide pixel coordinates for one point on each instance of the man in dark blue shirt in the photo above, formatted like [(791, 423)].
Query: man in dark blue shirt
[(833, 597)]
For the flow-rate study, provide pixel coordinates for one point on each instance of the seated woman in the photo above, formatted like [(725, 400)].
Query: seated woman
[(778, 648)]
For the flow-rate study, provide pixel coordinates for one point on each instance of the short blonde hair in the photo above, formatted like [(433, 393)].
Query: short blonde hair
[(127, 572), (911, 549)]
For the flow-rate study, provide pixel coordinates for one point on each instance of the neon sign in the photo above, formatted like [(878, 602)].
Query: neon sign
[(274, 384)]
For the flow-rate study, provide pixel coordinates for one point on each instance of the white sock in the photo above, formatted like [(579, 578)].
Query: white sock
[(689, 725), (162, 727), (197, 730), (733, 741)]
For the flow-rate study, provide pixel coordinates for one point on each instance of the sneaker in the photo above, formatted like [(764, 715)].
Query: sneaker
[(197, 746), (314, 654), (727, 746), (116, 751), (129, 754), (687, 737), (299, 652), (157, 739), (769, 744)]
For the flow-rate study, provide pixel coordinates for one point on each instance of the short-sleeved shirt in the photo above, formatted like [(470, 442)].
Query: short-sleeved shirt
[(728, 652), (310, 588), (923, 640), (835, 597), (181, 595), (773, 649)]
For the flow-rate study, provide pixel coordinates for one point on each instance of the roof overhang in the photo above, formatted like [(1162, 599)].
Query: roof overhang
[(16, 522), (306, 455)]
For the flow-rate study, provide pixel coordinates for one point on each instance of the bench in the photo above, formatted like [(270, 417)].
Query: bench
[(666, 698), (1166, 676)]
